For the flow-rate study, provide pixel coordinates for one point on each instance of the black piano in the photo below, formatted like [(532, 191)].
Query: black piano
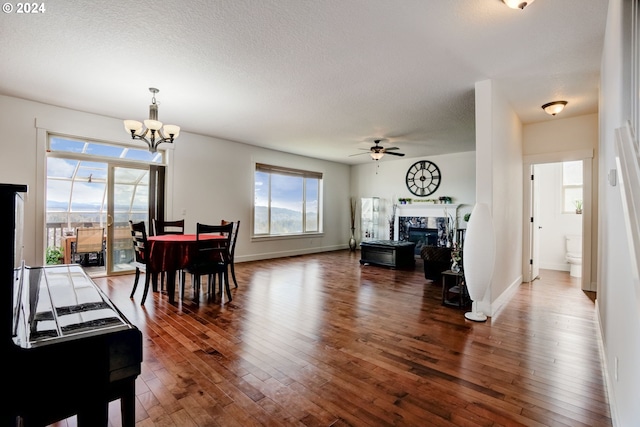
[(70, 350)]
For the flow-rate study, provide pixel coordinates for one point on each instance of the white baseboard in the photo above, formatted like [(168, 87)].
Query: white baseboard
[(505, 296), (283, 254), (556, 266), (607, 377)]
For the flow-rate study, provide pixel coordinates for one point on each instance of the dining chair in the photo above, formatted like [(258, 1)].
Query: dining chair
[(212, 258), (161, 228), (141, 251), (232, 251), (167, 227), (89, 240)]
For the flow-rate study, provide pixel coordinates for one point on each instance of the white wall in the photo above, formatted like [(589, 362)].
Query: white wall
[(555, 223), (209, 178), (386, 179), (618, 312), (499, 184)]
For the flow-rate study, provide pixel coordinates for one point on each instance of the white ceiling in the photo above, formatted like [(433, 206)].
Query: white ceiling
[(321, 78)]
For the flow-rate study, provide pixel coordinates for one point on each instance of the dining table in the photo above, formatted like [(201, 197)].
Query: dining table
[(173, 252)]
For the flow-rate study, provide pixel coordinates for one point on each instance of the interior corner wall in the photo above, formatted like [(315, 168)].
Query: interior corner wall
[(499, 184)]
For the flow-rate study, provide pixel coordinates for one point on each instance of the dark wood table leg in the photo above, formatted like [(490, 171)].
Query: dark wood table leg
[(171, 285), (154, 281)]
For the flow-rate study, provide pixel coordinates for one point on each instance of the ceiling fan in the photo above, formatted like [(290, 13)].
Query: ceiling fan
[(377, 151)]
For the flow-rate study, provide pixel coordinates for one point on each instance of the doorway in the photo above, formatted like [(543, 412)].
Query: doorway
[(101, 186), (551, 217), (558, 193)]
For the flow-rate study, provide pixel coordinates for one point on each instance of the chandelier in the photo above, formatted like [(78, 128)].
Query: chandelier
[(152, 132)]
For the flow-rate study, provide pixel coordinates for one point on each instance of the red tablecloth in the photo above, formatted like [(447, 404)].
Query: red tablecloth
[(172, 252)]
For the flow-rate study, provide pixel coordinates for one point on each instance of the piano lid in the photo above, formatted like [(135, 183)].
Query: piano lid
[(56, 303)]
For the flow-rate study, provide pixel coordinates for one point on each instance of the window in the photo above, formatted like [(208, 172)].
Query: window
[(572, 186), (286, 201)]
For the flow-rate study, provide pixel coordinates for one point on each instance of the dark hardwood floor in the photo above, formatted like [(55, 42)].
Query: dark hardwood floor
[(320, 340)]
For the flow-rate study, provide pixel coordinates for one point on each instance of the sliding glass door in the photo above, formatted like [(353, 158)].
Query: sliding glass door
[(127, 199), (99, 185)]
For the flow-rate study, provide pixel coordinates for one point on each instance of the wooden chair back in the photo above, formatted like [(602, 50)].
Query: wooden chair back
[(234, 236), (140, 245), (212, 252), (167, 227)]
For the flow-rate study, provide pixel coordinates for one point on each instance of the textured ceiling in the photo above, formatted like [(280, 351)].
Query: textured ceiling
[(321, 78)]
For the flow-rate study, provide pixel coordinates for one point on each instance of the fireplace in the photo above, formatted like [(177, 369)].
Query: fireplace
[(423, 231), (424, 224), (424, 236)]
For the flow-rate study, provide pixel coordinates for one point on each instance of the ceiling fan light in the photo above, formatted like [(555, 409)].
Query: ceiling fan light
[(555, 107), (376, 156), (517, 4)]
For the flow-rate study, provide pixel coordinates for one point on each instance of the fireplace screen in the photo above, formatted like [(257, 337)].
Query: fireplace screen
[(423, 231)]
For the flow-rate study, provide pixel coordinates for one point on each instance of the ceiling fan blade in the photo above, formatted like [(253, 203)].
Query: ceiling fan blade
[(395, 154), (357, 154), (391, 148)]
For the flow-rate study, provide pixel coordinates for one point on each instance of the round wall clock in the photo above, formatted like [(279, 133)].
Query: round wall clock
[(423, 178)]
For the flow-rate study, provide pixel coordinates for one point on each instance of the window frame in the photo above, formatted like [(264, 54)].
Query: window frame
[(306, 176), (566, 187)]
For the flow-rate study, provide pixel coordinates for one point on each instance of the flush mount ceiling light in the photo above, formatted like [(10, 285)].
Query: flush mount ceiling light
[(517, 4), (152, 132), (553, 108)]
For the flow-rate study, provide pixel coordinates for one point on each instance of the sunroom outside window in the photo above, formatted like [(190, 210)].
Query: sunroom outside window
[(286, 201)]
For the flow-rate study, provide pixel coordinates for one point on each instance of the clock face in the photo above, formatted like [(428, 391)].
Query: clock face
[(423, 178)]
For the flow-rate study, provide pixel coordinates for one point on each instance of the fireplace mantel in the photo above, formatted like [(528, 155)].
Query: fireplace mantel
[(437, 210)]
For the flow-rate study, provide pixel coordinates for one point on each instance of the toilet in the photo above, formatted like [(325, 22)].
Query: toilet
[(574, 254)]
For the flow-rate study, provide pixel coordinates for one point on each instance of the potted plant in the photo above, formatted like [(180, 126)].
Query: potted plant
[(404, 201), (578, 204), (54, 255)]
